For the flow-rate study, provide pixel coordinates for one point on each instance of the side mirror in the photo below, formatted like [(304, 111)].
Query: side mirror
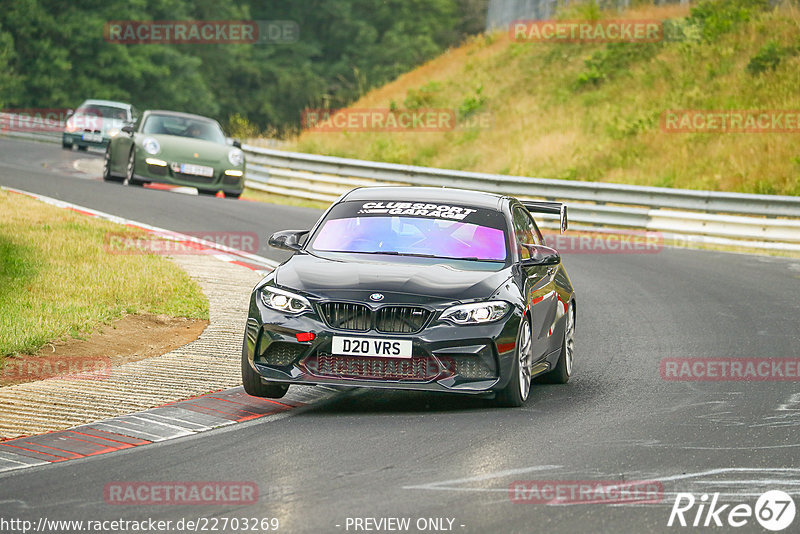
[(541, 255), (237, 143), (128, 129), (287, 240)]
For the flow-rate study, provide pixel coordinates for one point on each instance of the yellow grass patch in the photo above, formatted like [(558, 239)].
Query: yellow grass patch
[(544, 123)]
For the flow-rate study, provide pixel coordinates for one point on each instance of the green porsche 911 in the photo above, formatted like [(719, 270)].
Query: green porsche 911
[(178, 149)]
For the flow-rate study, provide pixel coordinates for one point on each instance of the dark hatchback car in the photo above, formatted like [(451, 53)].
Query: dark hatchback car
[(415, 288)]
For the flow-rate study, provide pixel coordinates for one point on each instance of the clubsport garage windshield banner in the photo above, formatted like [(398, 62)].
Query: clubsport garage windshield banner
[(418, 209)]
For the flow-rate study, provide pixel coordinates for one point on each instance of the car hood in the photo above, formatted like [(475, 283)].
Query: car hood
[(83, 123), (399, 282), (183, 149)]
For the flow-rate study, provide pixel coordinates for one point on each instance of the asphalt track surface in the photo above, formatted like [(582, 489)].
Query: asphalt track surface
[(372, 454)]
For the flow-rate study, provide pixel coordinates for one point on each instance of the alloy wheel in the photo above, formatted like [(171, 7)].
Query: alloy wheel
[(524, 355)]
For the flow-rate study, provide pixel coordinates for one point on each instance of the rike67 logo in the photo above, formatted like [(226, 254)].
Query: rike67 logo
[(774, 510)]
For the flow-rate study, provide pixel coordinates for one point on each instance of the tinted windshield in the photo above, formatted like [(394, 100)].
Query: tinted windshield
[(106, 112), (183, 127), (420, 229)]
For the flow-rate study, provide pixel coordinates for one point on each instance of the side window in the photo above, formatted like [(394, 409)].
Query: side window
[(525, 232), (537, 234)]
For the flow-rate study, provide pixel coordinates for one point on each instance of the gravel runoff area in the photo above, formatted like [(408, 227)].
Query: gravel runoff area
[(210, 363)]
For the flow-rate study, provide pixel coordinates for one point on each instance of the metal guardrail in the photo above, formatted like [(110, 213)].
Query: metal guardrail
[(755, 221), (601, 193), (10, 128), (758, 221)]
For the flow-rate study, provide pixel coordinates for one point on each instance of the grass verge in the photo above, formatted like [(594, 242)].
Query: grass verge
[(269, 198), (58, 280)]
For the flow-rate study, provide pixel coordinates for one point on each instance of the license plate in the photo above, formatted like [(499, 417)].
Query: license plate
[(378, 348), (93, 138), (197, 170)]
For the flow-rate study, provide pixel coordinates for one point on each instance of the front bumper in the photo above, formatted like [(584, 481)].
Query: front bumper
[(165, 174), (445, 357), (77, 139)]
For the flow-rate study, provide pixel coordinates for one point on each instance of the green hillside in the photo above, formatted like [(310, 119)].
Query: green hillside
[(593, 111)]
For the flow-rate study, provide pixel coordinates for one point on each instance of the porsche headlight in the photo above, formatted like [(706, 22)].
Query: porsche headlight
[(284, 301), (151, 146), (236, 157), (476, 313)]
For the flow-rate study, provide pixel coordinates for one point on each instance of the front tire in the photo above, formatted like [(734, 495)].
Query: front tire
[(107, 166), (207, 192), (66, 145), (129, 171), (253, 385), (563, 369), (519, 386)]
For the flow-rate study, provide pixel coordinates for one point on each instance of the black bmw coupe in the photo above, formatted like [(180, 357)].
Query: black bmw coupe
[(415, 288)]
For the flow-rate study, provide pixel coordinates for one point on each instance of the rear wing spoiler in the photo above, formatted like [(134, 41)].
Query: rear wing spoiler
[(554, 208)]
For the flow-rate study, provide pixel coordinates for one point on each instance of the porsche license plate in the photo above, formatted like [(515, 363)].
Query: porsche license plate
[(197, 170), (378, 348)]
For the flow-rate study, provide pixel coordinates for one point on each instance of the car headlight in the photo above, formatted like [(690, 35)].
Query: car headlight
[(284, 301), (113, 132), (151, 146), (477, 313), (236, 157)]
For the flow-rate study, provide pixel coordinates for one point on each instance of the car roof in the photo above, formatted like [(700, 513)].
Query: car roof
[(177, 114), (110, 103), (477, 199)]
